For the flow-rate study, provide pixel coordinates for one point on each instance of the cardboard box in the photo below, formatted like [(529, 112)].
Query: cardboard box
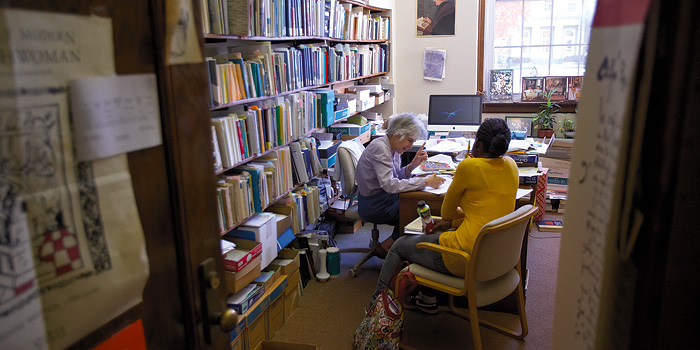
[(349, 226), (293, 281), (267, 278), (291, 302), (275, 317), (275, 345), (256, 331), (343, 113), (378, 97), (236, 337), (284, 222), (237, 280), (245, 252), (348, 129), (288, 261), (328, 162)]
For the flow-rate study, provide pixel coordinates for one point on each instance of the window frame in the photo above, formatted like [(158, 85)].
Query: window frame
[(508, 106)]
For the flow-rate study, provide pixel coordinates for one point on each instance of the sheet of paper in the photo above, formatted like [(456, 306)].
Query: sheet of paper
[(434, 64), (71, 234), (181, 33), (588, 255), (443, 188), (114, 115), (522, 192)]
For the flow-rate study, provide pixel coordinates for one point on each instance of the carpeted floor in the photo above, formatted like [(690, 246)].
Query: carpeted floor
[(329, 312)]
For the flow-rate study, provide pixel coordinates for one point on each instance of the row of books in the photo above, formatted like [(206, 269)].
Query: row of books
[(252, 187), (247, 131), (256, 70), (291, 18)]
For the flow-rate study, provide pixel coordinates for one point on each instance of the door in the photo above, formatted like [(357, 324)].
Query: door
[(173, 183)]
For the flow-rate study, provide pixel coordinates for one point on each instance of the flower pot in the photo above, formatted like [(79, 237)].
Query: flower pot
[(541, 133), (569, 134)]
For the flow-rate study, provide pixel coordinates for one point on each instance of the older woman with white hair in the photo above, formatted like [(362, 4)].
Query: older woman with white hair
[(380, 177)]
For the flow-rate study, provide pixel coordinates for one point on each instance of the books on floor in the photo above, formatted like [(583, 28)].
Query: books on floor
[(550, 225)]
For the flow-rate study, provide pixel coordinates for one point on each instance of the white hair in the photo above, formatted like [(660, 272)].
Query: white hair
[(406, 124)]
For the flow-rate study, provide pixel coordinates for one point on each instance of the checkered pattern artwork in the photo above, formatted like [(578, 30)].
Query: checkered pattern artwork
[(61, 248), (541, 194)]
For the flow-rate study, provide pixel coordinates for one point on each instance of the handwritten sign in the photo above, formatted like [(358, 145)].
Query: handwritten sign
[(590, 239), (114, 115)]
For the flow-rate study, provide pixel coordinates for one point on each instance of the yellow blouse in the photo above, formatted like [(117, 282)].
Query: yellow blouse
[(485, 189)]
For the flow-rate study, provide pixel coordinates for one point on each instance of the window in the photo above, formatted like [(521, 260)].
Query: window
[(537, 37)]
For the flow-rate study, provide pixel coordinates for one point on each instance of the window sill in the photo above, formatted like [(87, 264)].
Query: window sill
[(525, 107)]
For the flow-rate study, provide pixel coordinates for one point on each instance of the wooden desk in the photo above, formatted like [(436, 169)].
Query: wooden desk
[(408, 203)]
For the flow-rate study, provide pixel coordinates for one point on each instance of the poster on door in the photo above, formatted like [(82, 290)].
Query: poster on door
[(72, 249)]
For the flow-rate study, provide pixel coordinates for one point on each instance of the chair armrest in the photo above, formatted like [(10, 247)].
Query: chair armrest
[(442, 249)]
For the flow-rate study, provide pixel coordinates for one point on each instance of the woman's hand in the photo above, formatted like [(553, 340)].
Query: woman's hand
[(440, 226), (434, 181), (420, 157)]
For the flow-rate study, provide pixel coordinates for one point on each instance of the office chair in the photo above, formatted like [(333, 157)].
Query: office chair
[(492, 272), (350, 188)]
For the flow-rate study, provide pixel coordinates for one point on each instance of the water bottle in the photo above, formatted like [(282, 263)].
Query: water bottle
[(426, 218)]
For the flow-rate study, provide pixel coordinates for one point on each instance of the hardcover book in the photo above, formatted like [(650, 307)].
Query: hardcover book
[(550, 225)]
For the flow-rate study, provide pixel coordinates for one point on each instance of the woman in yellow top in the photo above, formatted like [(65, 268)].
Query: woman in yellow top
[(483, 189)]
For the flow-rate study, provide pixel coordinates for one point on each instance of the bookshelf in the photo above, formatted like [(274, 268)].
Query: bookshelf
[(266, 78)]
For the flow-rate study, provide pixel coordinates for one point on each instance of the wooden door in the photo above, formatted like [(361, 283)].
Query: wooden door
[(173, 183)]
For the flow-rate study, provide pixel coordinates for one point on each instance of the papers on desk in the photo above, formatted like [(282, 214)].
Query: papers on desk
[(438, 158), (443, 188), (529, 145), (448, 145)]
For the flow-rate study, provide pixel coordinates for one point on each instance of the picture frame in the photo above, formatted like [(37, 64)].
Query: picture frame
[(435, 20), (501, 85), (533, 89), (575, 84), (558, 85), (520, 124)]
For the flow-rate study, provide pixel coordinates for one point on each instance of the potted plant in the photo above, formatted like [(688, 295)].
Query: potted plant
[(545, 119), (568, 128)]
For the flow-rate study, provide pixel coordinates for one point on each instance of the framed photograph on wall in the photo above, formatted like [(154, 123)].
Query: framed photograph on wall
[(558, 85), (435, 17), (520, 124), (573, 91), (501, 85), (533, 89)]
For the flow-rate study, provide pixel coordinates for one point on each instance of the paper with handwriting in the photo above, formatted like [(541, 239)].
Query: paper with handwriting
[(588, 256)]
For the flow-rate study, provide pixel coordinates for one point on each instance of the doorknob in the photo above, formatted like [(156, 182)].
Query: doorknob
[(214, 313)]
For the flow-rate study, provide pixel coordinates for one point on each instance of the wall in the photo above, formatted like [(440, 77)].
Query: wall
[(412, 90)]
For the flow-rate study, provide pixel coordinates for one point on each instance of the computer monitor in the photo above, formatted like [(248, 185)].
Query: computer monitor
[(454, 113)]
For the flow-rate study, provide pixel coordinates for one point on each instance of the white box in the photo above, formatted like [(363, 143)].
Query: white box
[(363, 105), (264, 227), (361, 94), (370, 88)]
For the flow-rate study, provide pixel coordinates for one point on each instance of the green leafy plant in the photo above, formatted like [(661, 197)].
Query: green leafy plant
[(545, 119), (567, 125)]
